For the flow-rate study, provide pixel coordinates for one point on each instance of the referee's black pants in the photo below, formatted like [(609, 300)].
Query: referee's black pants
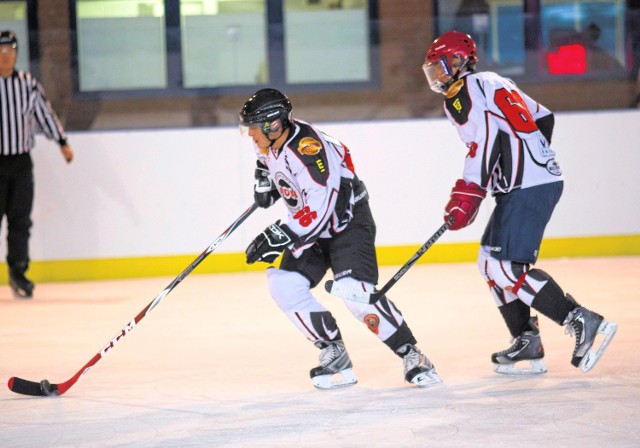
[(16, 203)]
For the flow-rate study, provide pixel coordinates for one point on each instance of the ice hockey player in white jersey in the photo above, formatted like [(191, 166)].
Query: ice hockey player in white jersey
[(329, 225), (508, 139)]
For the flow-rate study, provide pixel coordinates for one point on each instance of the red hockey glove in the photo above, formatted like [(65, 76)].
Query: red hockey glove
[(463, 204)]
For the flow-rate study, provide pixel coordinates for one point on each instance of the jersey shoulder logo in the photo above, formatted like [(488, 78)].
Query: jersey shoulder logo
[(459, 103), (309, 146), (455, 88)]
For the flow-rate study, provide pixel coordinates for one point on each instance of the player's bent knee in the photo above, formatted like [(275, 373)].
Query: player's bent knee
[(351, 283), (287, 288), (506, 273)]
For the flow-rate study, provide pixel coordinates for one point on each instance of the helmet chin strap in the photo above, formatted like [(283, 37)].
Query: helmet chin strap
[(266, 130), (272, 141), (455, 77)]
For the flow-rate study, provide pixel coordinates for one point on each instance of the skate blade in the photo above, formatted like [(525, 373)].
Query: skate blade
[(344, 378), (608, 329), (426, 379), (20, 293), (537, 367)]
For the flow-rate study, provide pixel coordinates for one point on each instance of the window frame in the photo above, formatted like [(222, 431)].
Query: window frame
[(276, 60)]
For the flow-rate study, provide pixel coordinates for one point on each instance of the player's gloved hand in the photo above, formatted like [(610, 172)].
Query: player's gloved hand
[(265, 193), (463, 204), (270, 243)]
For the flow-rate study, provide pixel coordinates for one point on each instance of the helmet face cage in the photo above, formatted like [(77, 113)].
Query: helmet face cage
[(269, 109)]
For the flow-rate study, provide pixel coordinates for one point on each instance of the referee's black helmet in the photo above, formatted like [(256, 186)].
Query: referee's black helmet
[(8, 38)]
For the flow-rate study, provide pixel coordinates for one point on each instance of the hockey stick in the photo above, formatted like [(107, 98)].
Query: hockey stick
[(362, 296), (45, 388)]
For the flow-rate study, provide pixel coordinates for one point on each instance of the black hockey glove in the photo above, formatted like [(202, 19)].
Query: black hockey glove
[(267, 246), (264, 191)]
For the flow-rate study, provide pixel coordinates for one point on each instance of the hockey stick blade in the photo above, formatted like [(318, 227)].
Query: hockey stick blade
[(25, 387), (46, 389), (362, 296)]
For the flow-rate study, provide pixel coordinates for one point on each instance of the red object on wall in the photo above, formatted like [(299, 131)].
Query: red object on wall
[(569, 60)]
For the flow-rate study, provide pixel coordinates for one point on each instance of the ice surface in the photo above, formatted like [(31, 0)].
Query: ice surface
[(218, 365)]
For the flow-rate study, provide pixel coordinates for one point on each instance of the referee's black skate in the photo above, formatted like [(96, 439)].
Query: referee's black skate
[(418, 369), (586, 325), (21, 286), (527, 346), (333, 360)]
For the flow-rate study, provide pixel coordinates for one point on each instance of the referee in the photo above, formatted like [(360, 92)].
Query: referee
[(22, 105)]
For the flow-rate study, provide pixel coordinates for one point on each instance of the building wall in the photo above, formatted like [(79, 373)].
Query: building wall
[(406, 30)]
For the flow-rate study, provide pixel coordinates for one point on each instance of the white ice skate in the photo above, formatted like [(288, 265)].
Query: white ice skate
[(335, 369), (418, 369), (525, 356), (586, 325)]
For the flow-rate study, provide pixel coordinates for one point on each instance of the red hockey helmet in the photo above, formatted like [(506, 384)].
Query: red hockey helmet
[(448, 55)]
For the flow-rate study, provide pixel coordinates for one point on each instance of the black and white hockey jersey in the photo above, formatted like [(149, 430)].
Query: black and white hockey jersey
[(506, 132), (315, 177)]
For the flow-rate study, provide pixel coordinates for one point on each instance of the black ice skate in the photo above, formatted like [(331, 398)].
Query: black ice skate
[(526, 347), (586, 325), (418, 369), (21, 286), (334, 360)]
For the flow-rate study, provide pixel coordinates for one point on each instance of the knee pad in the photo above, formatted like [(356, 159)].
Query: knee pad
[(506, 273), (382, 318), (290, 290), (503, 276), (351, 283)]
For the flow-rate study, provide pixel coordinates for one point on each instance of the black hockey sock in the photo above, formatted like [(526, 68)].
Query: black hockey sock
[(516, 315), (552, 302), (400, 338), (325, 326)]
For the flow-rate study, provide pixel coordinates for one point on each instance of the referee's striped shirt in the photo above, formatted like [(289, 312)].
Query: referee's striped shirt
[(22, 105)]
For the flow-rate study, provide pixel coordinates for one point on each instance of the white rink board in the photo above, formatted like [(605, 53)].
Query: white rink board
[(171, 192)]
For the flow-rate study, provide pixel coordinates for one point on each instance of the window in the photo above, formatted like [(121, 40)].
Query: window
[(326, 41), (576, 37), (125, 47), (584, 37), (13, 17), (223, 42), (120, 44)]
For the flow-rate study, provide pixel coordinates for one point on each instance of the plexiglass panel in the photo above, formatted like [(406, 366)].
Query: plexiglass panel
[(13, 17), (121, 44), (224, 43), (326, 41)]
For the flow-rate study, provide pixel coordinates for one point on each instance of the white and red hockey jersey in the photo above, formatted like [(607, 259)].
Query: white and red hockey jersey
[(316, 179), (497, 121)]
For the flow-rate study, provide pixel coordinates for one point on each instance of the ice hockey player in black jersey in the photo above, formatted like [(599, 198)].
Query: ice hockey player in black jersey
[(329, 225)]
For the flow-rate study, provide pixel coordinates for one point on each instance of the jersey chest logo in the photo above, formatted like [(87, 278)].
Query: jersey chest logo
[(289, 192)]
